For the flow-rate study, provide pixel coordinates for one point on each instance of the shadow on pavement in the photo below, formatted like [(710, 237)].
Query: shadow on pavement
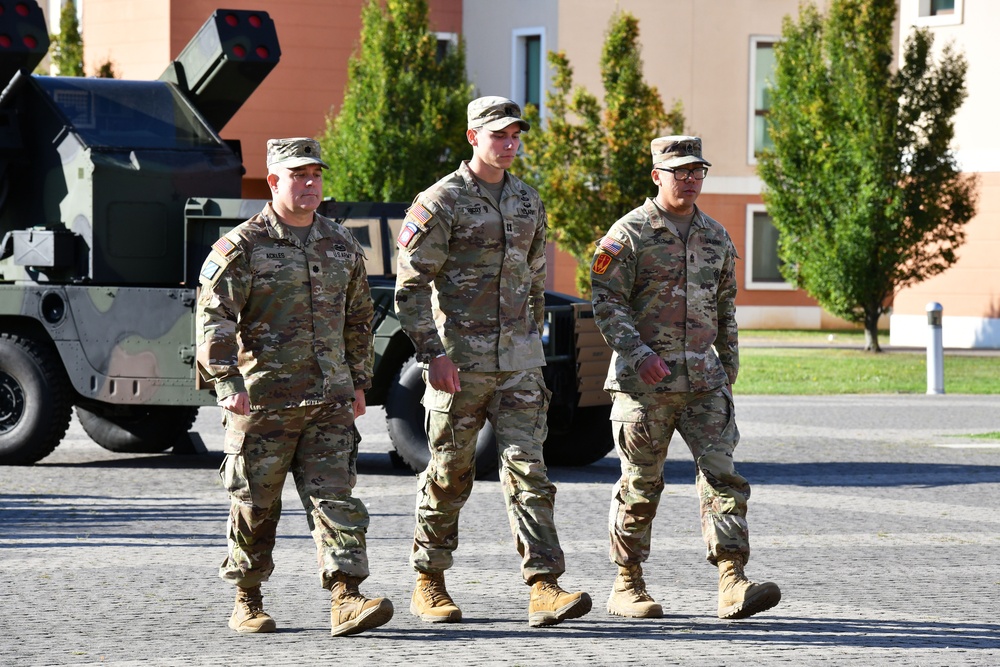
[(811, 473)]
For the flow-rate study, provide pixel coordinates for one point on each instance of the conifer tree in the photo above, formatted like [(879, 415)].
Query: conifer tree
[(402, 124)]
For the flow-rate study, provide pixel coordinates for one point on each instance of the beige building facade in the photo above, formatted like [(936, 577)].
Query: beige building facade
[(969, 292), (714, 56)]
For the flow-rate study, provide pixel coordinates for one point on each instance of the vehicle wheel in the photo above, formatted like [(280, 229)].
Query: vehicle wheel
[(135, 429), (583, 441), (35, 404), (404, 417)]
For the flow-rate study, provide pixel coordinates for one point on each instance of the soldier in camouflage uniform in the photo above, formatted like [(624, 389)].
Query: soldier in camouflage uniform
[(664, 290), (284, 333), (470, 295)]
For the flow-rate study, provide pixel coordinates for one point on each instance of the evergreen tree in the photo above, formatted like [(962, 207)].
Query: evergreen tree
[(402, 124), (592, 166), (861, 182), (67, 47)]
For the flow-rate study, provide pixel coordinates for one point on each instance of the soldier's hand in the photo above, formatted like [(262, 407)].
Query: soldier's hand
[(443, 375), (653, 369), (359, 403), (238, 404)]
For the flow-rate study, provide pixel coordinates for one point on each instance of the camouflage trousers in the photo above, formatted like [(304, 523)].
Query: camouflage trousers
[(318, 444), (515, 404), (642, 426)]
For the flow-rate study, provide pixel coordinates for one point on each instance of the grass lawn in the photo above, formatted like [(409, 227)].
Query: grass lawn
[(834, 370)]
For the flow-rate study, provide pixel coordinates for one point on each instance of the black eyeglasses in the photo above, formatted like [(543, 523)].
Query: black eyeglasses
[(680, 174)]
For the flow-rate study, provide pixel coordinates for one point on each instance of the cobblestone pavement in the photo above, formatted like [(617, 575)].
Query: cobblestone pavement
[(876, 516)]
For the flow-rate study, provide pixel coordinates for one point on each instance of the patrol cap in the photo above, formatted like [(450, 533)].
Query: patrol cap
[(677, 151), (495, 113), (296, 152)]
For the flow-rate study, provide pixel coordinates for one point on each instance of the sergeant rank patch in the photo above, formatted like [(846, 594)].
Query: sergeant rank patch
[(601, 263)]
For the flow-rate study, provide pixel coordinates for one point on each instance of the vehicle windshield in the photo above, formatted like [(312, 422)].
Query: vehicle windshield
[(127, 114)]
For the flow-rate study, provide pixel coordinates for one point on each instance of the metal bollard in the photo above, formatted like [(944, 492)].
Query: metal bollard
[(935, 349)]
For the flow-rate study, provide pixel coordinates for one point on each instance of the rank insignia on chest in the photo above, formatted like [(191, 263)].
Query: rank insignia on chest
[(223, 246), (601, 263), (610, 245), (407, 233)]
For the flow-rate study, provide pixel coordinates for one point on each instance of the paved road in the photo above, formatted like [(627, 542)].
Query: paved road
[(876, 515)]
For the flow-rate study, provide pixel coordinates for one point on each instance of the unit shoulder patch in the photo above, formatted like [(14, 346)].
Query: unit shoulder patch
[(209, 270), (407, 233), (601, 263)]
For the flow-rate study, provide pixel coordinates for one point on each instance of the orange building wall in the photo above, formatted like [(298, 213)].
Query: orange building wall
[(317, 38), (970, 288)]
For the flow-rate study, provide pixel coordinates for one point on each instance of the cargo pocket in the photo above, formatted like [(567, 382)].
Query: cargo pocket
[(435, 401), (731, 434), (233, 442)]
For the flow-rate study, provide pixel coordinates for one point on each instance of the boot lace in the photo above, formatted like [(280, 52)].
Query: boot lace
[(433, 591), (633, 581)]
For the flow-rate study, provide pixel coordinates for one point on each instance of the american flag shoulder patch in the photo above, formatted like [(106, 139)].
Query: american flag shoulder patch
[(419, 213), (224, 246), (610, 246)]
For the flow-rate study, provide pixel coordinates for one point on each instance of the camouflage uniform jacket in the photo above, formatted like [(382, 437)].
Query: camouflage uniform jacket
[(289, 323), (655, 294), (470, 280)]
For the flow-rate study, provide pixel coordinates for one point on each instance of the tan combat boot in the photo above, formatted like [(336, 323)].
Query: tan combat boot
[(351, 612), (738, 596), (629, 596), (431, 601), (550, 604), (248, 614)]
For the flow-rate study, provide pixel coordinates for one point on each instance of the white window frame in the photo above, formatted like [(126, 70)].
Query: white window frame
[(925, 19), (748, 281), (751, 102), (517, 65), (450, 37)]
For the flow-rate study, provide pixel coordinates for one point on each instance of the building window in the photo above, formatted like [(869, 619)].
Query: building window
[(939, 12), (939, 7), (446, 43), (763, 265), (528, 67), (761, 72)]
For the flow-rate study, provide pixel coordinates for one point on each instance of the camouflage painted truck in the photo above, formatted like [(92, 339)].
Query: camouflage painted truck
[(111, 193)]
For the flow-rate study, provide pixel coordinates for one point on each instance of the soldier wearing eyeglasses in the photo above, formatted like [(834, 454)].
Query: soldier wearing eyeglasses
[(664, 290)]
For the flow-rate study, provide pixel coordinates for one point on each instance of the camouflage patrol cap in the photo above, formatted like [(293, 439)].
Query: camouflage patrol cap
[(677, 151), (296, 152), (495, 113)]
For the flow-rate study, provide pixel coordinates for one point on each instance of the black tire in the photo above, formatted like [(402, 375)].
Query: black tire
[(135, 429), (35, 403), (585, 440), (404, 417)]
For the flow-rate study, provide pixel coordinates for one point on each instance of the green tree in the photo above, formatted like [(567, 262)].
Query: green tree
[(67, 47), (592, 166), (402, 124), (106, 70), (861, 182)]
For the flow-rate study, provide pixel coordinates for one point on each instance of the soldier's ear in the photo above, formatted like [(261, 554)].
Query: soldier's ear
[(272, 181), (472, 136)]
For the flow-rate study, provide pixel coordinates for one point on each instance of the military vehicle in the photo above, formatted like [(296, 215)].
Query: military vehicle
[(111, 193)]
